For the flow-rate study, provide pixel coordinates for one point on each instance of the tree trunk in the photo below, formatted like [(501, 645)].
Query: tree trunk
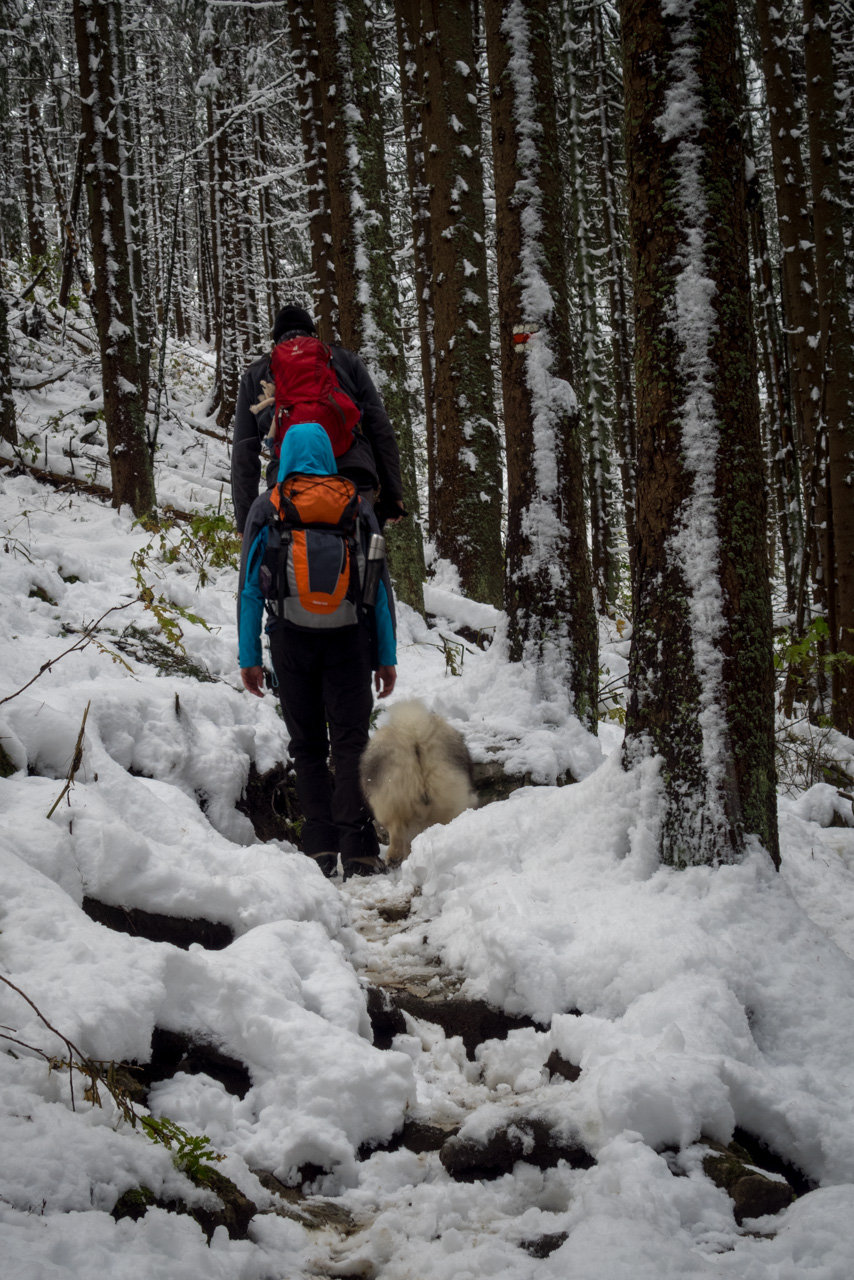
[(701, 674), (783, 457), (548, 586), (269, 256), (411, 61), (837, 351), (305, 53), (624, 432), (8, 425), (68, 215), (800, 297), (368, 305), (468, 448), (36, 234), (222, 219), (590, 381), (119, 307)]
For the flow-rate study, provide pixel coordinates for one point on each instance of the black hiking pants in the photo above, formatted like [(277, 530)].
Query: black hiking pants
[(325, 680)]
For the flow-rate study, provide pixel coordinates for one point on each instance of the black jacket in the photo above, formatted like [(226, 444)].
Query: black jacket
[(372, 462)]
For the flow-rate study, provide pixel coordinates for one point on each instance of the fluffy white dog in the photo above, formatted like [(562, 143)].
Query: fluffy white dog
[(416, 770)]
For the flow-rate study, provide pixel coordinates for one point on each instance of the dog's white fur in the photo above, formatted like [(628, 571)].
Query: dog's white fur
[(415, 771)]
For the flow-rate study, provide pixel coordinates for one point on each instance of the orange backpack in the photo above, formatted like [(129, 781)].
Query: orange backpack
[(313, 565)]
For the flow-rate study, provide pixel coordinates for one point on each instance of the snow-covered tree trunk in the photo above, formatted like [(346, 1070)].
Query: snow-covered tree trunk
[(204, 260), (11, 222), (72, 257), (548, 583), (8, 424), (623, 434), (701, 674), (837, 350), (590, 378), (266, 229), (783, 458), (800, 295), (36, 233), (305, 55), (118, 301), (782, 461), (368, 304), (468, 448), (223, 260), (411, 61)]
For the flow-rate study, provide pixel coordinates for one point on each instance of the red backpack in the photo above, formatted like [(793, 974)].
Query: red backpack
[(307, 390)]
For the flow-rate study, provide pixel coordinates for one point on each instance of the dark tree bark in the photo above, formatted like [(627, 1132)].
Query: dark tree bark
[(548, 596), (468, 448), (589, 358), (368, 305), (783, 461), (306, 60), (624, 432), (701, 674), (800, 296), (36, 233), (837, 350), (74, 258), (223, 229), (8, 424), (411, 60), (119, 306), (269, 257)]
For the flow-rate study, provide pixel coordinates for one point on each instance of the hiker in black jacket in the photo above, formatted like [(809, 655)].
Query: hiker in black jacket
[(373, 462)]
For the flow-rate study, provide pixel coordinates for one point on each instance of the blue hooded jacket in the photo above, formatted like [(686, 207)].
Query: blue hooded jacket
[(305, 450)]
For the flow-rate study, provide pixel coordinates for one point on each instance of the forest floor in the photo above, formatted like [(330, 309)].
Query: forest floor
[(528, 1052)]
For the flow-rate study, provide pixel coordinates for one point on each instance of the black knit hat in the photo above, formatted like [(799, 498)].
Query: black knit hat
[(290, 318)]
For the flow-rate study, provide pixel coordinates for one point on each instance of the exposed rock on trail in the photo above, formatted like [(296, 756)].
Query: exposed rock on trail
[(157, 927)]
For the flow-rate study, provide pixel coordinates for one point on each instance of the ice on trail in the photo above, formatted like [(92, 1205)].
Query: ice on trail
[(693, 1002)]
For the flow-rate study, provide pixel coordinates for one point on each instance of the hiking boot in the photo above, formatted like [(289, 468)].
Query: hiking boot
[(328, 863), (369, 865)]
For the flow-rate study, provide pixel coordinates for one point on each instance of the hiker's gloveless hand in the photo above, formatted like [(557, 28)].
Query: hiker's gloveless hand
[(385, 677), (253, 680)]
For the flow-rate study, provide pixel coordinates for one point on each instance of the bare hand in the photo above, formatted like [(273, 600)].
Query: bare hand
[(385, 677), (253, 680)]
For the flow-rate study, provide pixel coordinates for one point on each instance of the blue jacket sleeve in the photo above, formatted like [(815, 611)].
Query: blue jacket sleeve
[(385, 631), (251, 610)]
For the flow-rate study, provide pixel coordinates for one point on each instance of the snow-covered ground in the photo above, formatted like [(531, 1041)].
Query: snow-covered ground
[(693, 1002)]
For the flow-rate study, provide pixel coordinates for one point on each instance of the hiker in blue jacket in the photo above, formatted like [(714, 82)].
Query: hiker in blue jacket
[(324, 676)]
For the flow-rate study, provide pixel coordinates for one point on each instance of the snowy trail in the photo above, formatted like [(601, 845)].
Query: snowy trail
[(517, 1220), (713, 1002)]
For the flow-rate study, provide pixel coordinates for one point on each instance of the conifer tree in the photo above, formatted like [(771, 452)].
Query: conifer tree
[(799, 288), (468, 447), (368, 302), (548, 585), (701, 674), (608, 143), (110, 174), (411, 64), (305, 55), (8, 426), (836, 404)]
